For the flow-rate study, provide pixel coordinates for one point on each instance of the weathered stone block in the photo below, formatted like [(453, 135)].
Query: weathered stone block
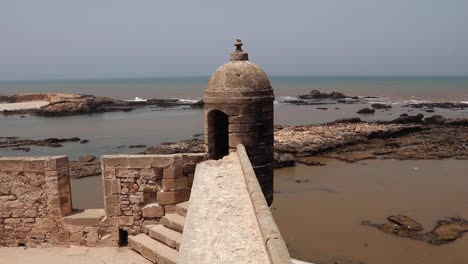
[(153, 210), (76, 237), (136, 199), (11, 164), (162, 161), (175, 184), (111, 186), (151, 173), (109, 173), (242, 119), (61, 237), (241, 128), (139, 161), (247, 139), (34, 165), (112, 200), (12, 221), (173, 171), (112, 210), (114, 161), (173, 197), (126, 220), (126, 173)]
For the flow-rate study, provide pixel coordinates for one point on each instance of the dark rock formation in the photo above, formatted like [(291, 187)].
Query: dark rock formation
[(284, 160), (85, 166), (366, 110), (315, 94), (445, 105), (435, 119), (380, 106), (186, 146), (48, 142), (445, 231), (78, 104), (408, 119)]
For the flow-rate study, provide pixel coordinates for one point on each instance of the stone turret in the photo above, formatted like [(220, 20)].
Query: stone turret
[(239, 110)]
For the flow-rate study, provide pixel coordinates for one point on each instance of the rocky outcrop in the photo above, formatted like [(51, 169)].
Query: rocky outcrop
[(380, 106), (366, 110), (84, 104), (444, 105), (408, 119), (85, 166), (315, 94), (445, 231), (14, 142), (77, 104)]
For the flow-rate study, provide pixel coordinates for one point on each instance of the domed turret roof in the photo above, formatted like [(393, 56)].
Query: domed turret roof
[(239, 78)]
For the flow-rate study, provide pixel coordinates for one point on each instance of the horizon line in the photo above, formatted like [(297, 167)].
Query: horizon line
[(208, 76)]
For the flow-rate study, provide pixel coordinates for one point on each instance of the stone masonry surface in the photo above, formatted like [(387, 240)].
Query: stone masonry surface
[(221, 226), (35, 198), (140, 189)]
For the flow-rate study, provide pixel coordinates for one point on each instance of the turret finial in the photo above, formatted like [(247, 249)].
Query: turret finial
[(239, 54), (238, 44)]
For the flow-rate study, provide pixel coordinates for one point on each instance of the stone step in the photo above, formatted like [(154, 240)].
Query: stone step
[(165, 235), (182, 208), (153, 250), (174, 221), (146, 228)]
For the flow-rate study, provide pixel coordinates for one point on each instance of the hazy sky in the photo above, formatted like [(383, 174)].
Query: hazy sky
[(64, 39)]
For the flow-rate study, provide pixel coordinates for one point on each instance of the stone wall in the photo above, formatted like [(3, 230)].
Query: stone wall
[(36, 208), (274, 243), (140, 189)]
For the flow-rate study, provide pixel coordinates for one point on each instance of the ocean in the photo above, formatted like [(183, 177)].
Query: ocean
[(431, 88), (108, 132)]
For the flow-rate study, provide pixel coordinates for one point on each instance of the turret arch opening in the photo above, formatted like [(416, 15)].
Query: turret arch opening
[(218, 134)]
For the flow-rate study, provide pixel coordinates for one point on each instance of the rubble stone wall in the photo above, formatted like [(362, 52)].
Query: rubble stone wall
[(36, 208), (33, 191), (140, 189)]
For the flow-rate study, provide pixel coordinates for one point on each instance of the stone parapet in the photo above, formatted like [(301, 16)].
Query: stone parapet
[(228, 219), (274, 243)]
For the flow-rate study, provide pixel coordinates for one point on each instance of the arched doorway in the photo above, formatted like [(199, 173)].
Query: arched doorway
[(218, 137)]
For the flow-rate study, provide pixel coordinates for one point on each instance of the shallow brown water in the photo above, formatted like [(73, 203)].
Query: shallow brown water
[(320, 217)]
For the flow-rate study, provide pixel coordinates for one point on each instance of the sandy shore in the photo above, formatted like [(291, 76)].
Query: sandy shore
[(23, 105), (72, 255)]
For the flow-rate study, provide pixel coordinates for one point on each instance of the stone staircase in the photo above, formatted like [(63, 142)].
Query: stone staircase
[(160, 243)]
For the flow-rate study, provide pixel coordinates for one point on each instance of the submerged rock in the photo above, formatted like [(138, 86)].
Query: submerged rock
[(380, 106), (284, 160), (445, 231), (366, 110), (448, 230)]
